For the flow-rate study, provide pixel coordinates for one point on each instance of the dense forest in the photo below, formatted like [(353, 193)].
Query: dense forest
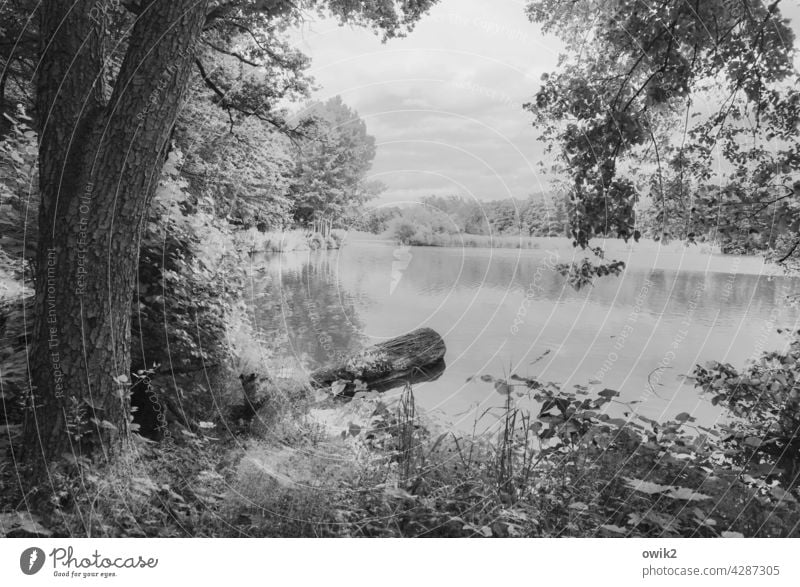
[(147, 148)]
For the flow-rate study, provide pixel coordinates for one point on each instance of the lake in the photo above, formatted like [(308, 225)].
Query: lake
[(503, 311)]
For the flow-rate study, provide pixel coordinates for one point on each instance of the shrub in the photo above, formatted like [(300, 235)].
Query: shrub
[(764, 400), (19, 200), (316, 241), (170, 489), (190, 283), (421, 226), (19, 208), (402, 230), (287, 241), (250, 240), (189, 288), (338, 235)]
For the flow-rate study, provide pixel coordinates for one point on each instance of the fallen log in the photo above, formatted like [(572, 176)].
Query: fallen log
[(414, 357)]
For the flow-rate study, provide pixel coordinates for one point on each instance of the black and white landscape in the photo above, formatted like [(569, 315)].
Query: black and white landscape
[(372, 268)]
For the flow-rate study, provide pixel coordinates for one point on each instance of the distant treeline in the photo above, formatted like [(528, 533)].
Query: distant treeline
[(437, 217), (445, 220)]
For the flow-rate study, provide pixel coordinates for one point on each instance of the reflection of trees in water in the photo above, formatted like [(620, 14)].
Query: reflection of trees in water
[(730, 294), (435, 271), (301, 308)]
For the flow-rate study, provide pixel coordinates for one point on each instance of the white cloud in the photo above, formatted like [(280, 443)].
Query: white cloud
[(445, 103)]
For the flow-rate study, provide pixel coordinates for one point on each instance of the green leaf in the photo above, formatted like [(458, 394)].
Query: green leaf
[(502, 387), (608, 393), (684, 493), (781, 494), (618, 422), (646, 486), (615, 529)]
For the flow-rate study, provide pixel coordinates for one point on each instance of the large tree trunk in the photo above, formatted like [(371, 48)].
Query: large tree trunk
[(100, 161)]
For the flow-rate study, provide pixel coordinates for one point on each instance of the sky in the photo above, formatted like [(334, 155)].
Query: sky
[(445, 103)]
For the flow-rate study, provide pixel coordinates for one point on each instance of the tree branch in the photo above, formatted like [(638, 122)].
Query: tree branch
[(274, 56), (235, 54), (791, 251), (226, 104)]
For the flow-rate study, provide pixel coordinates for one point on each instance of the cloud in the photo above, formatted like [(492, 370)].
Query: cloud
[(445, 103)]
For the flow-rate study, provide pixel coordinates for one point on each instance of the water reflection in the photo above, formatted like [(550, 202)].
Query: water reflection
[(299, 305), (499, 310)]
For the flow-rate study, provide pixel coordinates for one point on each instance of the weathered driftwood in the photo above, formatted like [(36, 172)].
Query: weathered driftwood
[(413, 357)]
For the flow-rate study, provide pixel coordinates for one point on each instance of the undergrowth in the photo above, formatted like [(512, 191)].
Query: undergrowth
[(381, 468), (568, 470)]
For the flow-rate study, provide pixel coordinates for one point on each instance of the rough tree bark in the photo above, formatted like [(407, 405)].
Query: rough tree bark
[(416, 356), (100, 156)]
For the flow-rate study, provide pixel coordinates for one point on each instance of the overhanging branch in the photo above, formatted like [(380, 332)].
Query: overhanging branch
[(226, 104)]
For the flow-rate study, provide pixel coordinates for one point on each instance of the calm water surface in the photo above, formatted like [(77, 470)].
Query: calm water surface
[(500, 310)]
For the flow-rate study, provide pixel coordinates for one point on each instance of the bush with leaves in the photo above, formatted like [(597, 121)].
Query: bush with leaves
[(190, 284), (372, 220), (170, 489), (596, 472), (19, 201), (764, 402), (421, 225), (19, 204), (580, 464)]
